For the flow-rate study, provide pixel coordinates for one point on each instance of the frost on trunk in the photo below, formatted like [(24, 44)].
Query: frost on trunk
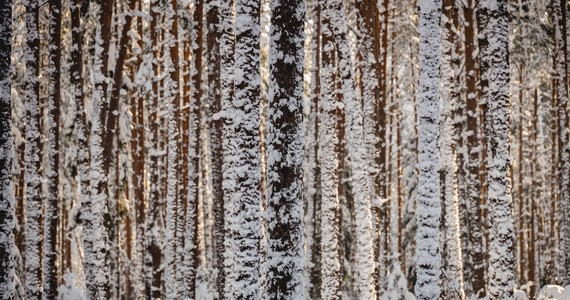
[(214, 24), (428, 212), (191, 245), (453, 265), (51, 126), (328, 139), (7, 199), (284, 212), (361, 185), (171, 96), (96, 212), (227, 48), (32, 179), (560, 66), (497, 127), (242, 205)]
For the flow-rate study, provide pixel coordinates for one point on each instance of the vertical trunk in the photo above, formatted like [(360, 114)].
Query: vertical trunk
[(495, 69), (475, 263), (227, 49), (428, 211), (449, 136), (213, 19), (560, 67), (191, 246), (51, 217), (33, 240), (243, 204), (155, 226), (7, 199), (285, 152), (329, 162), (172, 97), (523, 269)]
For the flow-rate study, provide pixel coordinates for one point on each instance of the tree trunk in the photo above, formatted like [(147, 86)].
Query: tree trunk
[(33, 240), (285, 142), (7, 199), (428, 212), (495, 69)]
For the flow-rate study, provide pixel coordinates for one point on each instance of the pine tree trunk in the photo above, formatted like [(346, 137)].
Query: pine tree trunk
[(560, 67), (495, 69), (242, 207), (51, 218), (449, 136), (285, 142), (428, 212), (329, 161), (33, 240), (7, 199)]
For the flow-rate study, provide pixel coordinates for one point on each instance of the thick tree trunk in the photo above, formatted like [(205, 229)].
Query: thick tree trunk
[(285, 152), (495, 69), (428, 211)]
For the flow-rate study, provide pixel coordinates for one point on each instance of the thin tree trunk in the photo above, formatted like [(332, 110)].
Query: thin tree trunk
[(7, 197), (33, 240)]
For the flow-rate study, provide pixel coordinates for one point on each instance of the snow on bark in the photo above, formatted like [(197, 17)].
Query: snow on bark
[(32, 198), (242, 207), (7, 199), (51, 126), (448, 147), (361, 185), (171, 96), (330, 212), (497, 126), (96, 213), (191, 246), (560, 66), (227, 48), (285, 142), (428, 212)]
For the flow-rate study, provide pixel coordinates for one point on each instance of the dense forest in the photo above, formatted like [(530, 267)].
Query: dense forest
[(284, 149)]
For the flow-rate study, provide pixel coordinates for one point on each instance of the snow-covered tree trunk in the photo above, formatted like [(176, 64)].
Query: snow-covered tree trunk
[(561, 73), (214, 23), (242, 205), (155, 224), (33, 240), (428, 212), (475, 262), (448, 148), (191, 245), (50, 268), (370, 53), (361, 186), (171, 95), (285, 142), (227, 49), (97, 220), (329, 162), (7, 199), (497, 127)]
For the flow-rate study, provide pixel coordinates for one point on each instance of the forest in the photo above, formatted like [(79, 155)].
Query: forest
[(284, 149)]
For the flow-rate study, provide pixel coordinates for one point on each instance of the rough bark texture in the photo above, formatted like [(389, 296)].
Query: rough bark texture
[(285, 141), (7, 199), (428, 212), (498, 126), (32, 198)]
